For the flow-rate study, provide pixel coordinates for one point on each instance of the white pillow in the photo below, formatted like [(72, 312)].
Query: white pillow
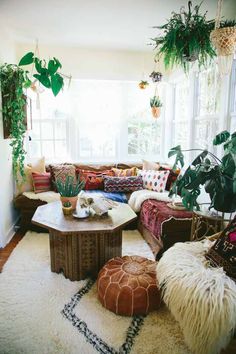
[(155, 180), (149, 165)]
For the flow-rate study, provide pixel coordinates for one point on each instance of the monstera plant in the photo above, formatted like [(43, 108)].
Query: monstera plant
[(216, 175)]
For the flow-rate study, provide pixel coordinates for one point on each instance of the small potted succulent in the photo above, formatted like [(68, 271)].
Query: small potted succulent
[(143, 84), (67, 208), (156, 76), (156, 105), (69, 190)]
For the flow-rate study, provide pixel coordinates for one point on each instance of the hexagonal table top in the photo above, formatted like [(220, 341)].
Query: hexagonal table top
[(51, 216)]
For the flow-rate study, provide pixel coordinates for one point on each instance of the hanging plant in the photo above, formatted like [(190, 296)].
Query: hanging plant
[(156, 105), (46, 73), (143, 84), (186, 39), (13, 80), (156, 76)]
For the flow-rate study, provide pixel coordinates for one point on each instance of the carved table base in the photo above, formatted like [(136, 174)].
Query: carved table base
[(79, 255)]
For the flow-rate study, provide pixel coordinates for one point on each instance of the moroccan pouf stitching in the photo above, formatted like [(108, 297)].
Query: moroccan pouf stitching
[(128, 286)]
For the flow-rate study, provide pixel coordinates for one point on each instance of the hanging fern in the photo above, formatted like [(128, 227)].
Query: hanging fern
[(12, 80)]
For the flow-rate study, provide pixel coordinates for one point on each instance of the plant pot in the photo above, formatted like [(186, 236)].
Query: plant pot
[(156, 112), (67, 210), (224, 40), (142, 85), (72, 200)]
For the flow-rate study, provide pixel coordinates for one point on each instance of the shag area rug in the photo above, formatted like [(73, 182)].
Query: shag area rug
[(43, 313)]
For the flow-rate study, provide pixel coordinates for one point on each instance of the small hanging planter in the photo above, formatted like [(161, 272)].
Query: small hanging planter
[(156, 76), (224, 40), (156, 105), (143, 84)]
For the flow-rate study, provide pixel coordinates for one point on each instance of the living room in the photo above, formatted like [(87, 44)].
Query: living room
[(118, 162)]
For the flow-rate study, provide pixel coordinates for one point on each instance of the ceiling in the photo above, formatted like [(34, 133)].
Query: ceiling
[(106, 24)]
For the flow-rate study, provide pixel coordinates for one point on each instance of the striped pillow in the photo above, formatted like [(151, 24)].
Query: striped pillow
[(123, 184), (41, 182)]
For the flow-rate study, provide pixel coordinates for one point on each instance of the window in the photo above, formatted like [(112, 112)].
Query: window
[(96, 121)]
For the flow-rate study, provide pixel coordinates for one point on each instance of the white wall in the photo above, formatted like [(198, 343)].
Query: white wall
[(95, 64), (8, 215)]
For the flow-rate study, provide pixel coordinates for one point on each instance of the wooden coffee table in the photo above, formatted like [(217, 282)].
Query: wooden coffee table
[(80, 247)]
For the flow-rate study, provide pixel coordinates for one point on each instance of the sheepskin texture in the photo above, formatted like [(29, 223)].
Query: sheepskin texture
[(201, 298), (138, 197), (47, 197), (32, 298)]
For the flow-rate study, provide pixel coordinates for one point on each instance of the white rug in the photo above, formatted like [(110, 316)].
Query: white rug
[(43, 313)]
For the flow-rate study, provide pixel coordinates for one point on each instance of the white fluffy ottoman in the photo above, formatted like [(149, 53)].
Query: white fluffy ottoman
[(201, 298)]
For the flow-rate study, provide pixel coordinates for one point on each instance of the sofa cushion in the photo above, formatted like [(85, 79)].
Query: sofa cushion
[(119, 172), (26, 184), (149, 165), (61, 171), (41, 182), (123, 184), (154, 180), (93, 179)]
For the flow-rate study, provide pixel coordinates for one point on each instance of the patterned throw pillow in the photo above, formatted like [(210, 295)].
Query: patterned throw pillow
[(155, 180), (94, 179), (61, 172), (41, 182), (172, 176), (125, 172), (123, 184)]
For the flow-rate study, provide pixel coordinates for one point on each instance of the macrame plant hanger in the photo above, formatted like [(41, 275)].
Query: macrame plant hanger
[(224, 40)]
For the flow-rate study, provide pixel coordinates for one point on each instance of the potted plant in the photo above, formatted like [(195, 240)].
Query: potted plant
[(67, 208), (143, 84), (224, 37), (186, 39), (156, 105), (69, 190), (156, 76), (216, 175)]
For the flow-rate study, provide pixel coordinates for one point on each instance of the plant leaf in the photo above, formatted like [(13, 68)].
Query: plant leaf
[(57, 83), (43, 79), (53, 66), (27, 59), (221, 138)]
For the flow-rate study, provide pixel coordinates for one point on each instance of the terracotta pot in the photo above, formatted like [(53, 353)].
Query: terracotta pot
[(142, 85), (72, 200), (156, 112)]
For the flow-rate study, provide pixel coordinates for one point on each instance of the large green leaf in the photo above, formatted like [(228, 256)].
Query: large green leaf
[(43, 79), (221, 138), (228, 165), (199, 159), (57, 83), (174, 150), (53, 66), (27, 59), (39, 66)]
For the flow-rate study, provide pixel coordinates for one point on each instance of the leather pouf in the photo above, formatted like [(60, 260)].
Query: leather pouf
[(127, 286)]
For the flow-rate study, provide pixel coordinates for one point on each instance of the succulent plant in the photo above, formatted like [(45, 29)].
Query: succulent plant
[(67, 204), (69, 188), (155, 102)]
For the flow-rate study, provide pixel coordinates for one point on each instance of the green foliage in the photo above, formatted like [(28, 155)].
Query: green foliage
[(206, 170), (227, 23), (144, 82), (47, 74), (13, 79), (155, 101), (67, 204), (186, 38), (69, 188)]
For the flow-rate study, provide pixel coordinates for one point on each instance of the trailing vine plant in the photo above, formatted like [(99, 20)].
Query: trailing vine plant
[(13, 80)]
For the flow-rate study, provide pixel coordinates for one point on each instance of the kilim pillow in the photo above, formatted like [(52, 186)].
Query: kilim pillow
[(223, 251), (41, 182), (94, 179), (155, 180), (172, 176), (125, 172), (61, 172), (123, 184)]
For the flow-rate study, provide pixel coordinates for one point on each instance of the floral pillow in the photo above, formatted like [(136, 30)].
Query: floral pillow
[(155, 180)]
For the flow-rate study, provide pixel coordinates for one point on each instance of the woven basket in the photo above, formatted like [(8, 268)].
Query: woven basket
[(224, 40)]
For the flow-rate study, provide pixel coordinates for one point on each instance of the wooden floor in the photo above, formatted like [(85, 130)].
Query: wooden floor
[(6, 251)]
